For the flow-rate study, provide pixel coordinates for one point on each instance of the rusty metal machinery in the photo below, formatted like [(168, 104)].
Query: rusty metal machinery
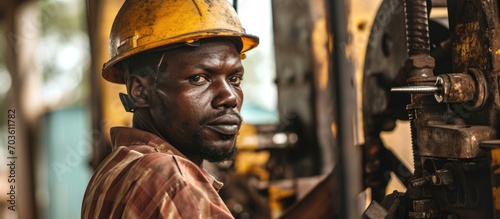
[(448, 82)]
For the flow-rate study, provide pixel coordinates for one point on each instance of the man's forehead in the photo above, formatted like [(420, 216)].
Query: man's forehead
[(206, 44), (205, 48)]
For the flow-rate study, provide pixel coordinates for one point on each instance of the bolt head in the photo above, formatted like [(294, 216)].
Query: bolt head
[(421, 61)]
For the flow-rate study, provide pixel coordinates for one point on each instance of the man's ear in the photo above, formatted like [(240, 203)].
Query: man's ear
[(137, 88)]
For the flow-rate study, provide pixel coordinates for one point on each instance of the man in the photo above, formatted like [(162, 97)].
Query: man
[(181, 63)]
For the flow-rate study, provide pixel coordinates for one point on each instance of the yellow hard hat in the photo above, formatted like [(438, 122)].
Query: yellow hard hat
[(144, 25)]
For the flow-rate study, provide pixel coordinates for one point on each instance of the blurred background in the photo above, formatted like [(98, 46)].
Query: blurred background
[(52, 54)]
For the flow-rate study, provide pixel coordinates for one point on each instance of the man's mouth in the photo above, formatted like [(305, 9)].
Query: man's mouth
[(226, 124), (225, 129)]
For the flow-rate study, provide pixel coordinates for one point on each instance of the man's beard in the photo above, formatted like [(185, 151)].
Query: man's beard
[(210, 153)]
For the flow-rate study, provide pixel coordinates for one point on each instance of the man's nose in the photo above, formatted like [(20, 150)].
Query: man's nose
[(225, 95)]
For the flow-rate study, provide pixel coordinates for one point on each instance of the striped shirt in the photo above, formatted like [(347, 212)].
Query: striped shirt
[(146, 177)]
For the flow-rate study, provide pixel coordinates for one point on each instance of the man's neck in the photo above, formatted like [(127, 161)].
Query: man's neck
[(144, 123)]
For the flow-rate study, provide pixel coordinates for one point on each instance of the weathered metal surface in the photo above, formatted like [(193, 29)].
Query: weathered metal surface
[(469, 194), (425, 208), (481, 93), (420, 66), (454, 141), (455, 180), (475, 43), (470, 35), (456, 88), (443, 177)]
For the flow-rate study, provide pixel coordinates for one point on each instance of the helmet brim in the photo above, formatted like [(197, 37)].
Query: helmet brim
[(114, 74)]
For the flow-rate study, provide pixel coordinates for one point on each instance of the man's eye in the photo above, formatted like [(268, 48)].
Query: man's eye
[(235, 80), (199, 79)]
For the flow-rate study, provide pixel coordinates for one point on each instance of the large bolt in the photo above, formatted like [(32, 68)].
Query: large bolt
[(449, 88)]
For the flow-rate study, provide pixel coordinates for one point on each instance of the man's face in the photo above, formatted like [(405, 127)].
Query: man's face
[(198, 99)]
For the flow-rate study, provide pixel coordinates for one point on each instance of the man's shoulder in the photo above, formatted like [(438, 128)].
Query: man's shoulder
[(128, 177), (136, 161), (129, 180)]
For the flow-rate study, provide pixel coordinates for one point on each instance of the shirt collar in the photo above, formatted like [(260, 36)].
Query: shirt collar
[(141, 141), (146, 142)]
